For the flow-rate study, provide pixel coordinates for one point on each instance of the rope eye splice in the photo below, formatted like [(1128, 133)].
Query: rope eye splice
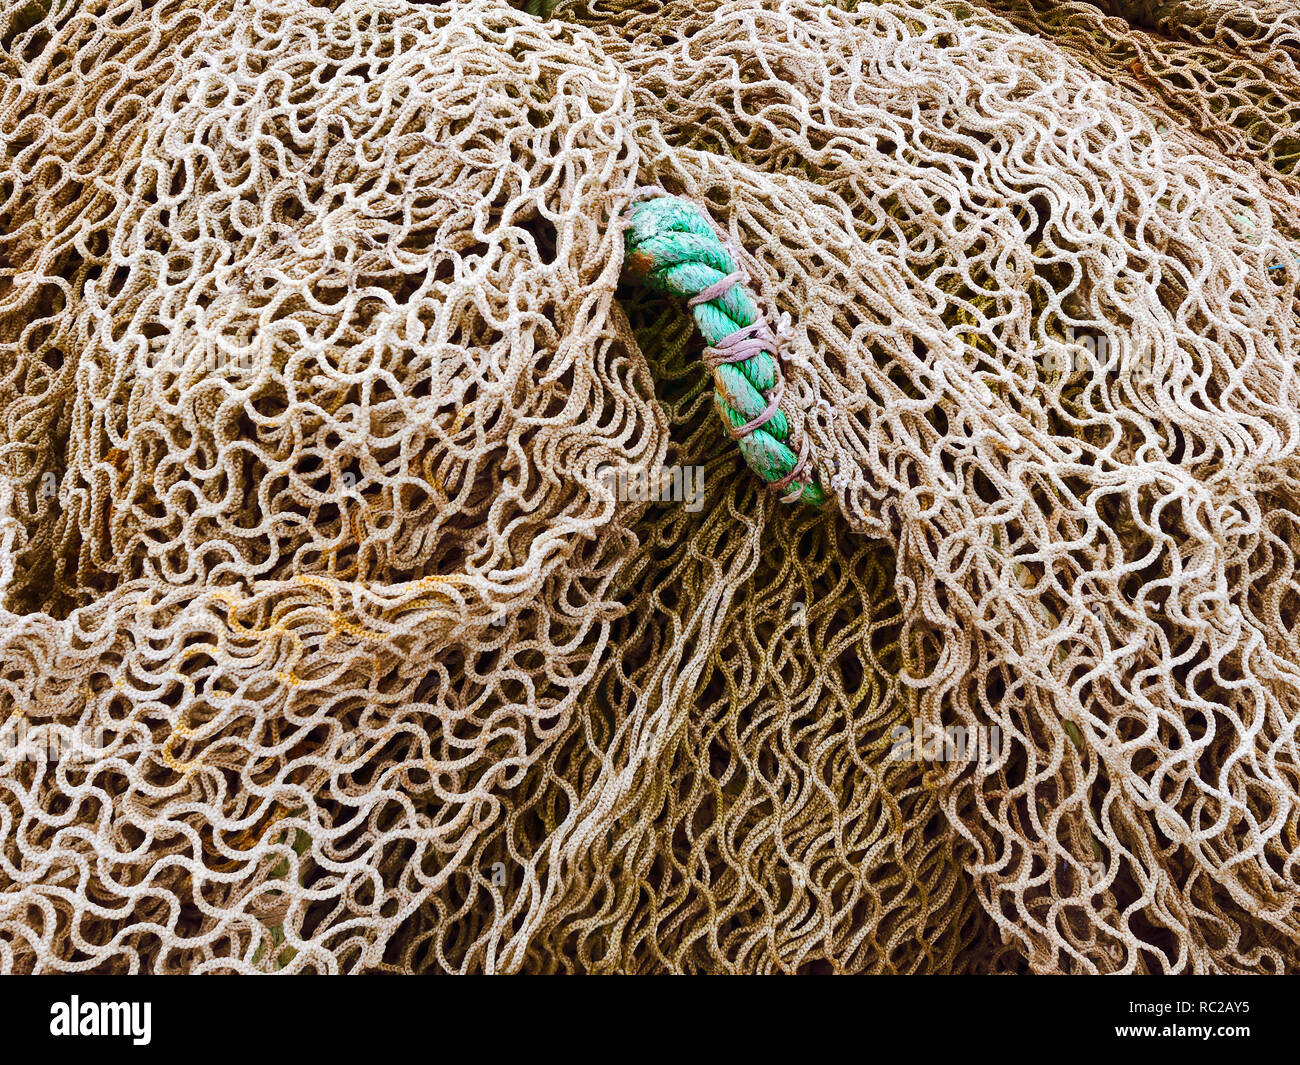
[(673, 247)]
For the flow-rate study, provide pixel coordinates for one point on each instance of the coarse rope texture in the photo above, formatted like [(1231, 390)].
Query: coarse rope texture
[(673, 246), (316, 335)]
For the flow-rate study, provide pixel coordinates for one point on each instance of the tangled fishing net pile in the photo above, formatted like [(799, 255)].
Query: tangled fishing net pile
[(315, 339)]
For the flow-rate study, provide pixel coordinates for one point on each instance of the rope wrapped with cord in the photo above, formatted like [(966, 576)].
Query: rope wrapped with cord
[(673, 247)]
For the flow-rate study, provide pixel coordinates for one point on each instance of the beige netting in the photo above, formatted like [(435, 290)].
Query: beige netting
[(313, 351), (1229, 73)]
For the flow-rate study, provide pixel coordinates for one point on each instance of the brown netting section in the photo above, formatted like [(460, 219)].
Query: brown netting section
[(1225, 71), (325, 551), (313, 351)]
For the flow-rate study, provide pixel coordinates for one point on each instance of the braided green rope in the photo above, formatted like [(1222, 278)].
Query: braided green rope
[(674, 248)]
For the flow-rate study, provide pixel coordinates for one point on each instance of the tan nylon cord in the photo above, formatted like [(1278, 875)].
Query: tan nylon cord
[(311, 316)]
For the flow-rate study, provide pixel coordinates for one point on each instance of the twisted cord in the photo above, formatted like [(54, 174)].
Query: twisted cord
[(674, 248)]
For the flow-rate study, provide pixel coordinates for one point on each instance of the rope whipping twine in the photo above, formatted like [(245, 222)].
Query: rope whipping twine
[(673, 247)]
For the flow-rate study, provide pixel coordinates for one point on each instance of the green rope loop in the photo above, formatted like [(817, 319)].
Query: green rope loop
[(674, 248)]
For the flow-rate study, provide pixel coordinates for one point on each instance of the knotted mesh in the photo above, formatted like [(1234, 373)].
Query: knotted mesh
[(314, 350)]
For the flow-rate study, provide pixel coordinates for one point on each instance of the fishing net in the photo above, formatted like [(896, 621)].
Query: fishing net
[(325, 645), (1226, 71)]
